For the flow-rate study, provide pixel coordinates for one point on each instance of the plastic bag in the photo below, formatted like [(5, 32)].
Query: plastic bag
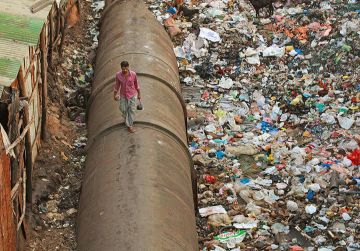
[(293, 53), (269, 200), (140, 106), (206, 211), (226, 83), (231, 238), (296, 248), (179, 52), (274, 51), (210, 178), (246, 149), (310, 209), (343, 30), (258, 195), (219, 220), (354, 157), (253, 208), (253, 60), (279, 228), (284, 117), (245, 195), (172, 27), (235, 169), (209, 35), (292, 206), (345, 122), (208, 194), (238, 187), (227, 189), (210, 128), (347, 162), (358, 122), (213, 12), (199, 134), (240, 218), (319, 239), (346, 216)]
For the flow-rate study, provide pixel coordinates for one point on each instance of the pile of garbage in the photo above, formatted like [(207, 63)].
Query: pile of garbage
[(274, 124), (79, 68)]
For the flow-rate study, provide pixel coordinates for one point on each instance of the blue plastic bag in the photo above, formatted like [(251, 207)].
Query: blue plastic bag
[(171, 10)]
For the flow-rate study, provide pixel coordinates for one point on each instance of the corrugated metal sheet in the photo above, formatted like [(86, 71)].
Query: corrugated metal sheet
[(19, 29), (7, 240)]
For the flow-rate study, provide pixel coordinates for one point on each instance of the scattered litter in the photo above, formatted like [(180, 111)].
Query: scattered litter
[(276, 113)]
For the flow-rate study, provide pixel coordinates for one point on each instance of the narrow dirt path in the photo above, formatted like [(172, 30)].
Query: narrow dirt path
[(51, 220)]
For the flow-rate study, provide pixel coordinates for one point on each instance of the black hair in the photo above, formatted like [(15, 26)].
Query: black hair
[(124, 64)]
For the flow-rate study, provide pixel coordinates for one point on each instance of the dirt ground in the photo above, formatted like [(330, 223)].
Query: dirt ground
[(51, 219)]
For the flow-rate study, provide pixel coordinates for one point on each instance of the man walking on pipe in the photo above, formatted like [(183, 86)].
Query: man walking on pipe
[(127, 82)]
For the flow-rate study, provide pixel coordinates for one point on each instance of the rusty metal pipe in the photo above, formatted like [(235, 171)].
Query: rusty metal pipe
[(334, 180), (40, 5), (138, 189)]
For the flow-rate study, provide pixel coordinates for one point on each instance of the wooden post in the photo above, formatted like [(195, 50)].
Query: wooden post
[(63, 33), (14, 120), (28, 148), (58, 26), (79, 7), (51, 42), (44, 83)]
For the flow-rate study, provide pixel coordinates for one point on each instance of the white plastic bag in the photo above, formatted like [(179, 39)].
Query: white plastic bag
[(274, 51), (293, 53), (253, 60), (345, 122), (292, 206), (209, 35), (258, 195), (226, 83), (213, 12), (310, 209)]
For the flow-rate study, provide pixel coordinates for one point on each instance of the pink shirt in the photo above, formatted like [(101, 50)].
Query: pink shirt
[(128, 87)]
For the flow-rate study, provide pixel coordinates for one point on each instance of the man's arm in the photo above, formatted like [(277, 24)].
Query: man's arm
[(115, 98), (136, 84), (116, 88)]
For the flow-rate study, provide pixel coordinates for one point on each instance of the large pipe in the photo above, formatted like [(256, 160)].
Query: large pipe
[(137, 189)]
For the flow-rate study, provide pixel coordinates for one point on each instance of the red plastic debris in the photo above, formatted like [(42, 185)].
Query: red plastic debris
[(205, 95), (279, 167), (354, 157), (296, 248), (210, 178)]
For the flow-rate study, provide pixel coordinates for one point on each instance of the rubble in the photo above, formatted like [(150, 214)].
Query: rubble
[(274, 121)]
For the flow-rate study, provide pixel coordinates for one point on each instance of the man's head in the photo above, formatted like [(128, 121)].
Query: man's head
[(124, 67)]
